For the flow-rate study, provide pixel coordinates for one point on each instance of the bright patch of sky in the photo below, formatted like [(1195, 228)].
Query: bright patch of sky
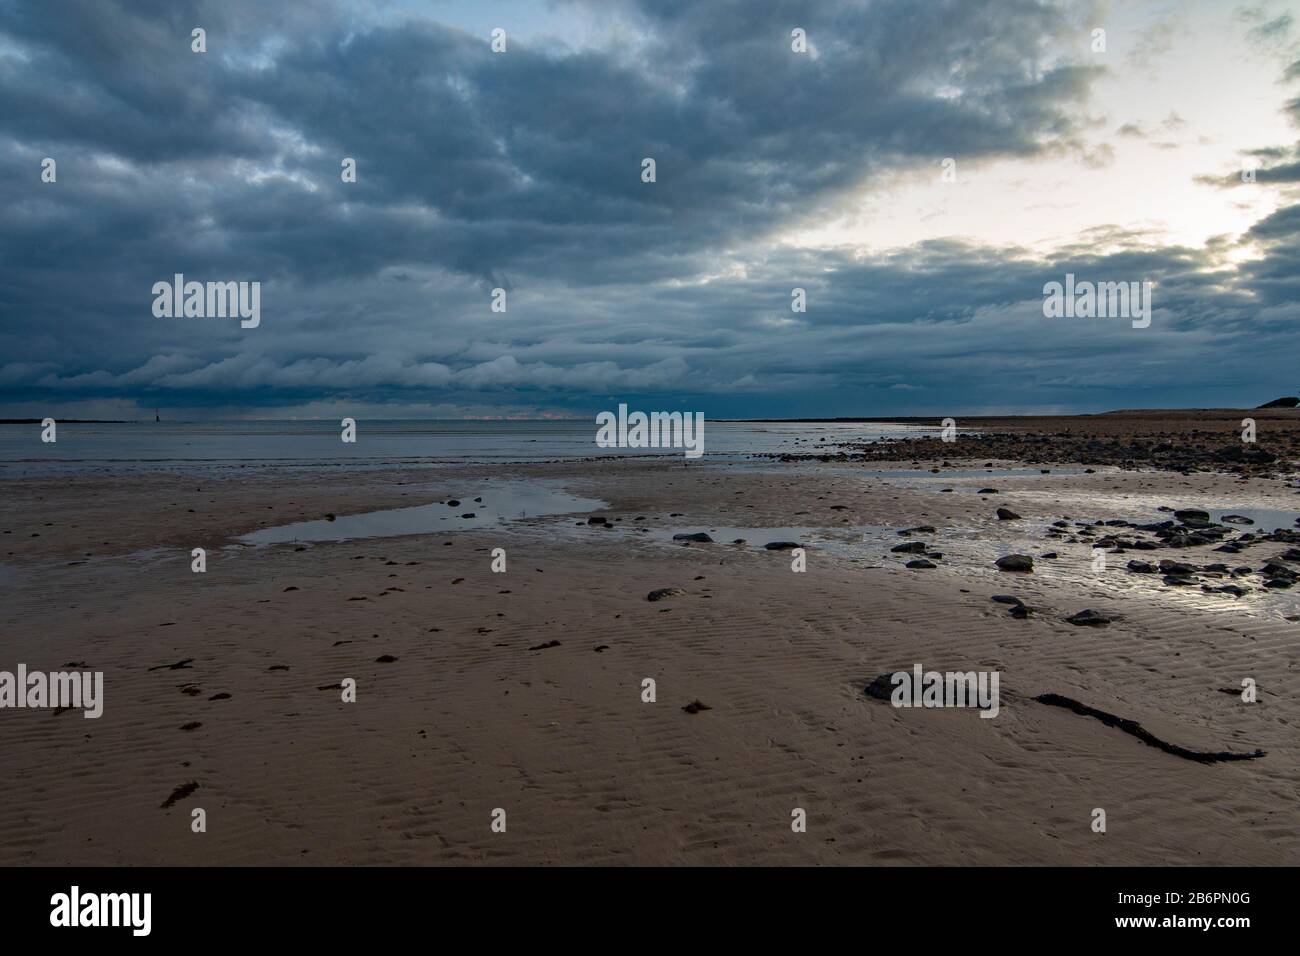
[(1187, 92)]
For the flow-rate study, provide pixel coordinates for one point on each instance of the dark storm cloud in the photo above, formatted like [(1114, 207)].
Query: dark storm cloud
[(522, 170)]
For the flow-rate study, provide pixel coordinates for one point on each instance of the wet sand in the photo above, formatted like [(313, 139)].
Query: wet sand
[(522, 690)]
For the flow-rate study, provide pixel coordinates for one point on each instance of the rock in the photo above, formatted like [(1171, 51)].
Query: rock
[(695, 706), (1237, 519), (597, 519), (1177, 568), (1178, 581), (1274, 568), (453, 503), (1006, 599), (1088, 618), (781, 545), (1006, 514), (1141, 567), (1234, 589), (1192, 514), (1015, 562), (697, 536), (988, 491), (660, 593), (1050, 555), (921, 564), (919, 529), (1020, 612), (1238, 454), (882, 688), (910, 547)]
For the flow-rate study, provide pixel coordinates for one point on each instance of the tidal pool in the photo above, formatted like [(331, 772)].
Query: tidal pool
[(478, 507)]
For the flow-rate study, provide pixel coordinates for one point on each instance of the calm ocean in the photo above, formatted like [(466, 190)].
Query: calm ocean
[(150, 445)]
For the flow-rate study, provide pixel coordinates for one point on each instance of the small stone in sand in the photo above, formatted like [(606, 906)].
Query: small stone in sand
[(695, 706), (658, 594), (1088, 618), (882, 688), (910, 547), (1015, 562)]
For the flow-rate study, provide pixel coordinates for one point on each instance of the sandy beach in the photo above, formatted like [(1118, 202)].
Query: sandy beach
[(523, 690)]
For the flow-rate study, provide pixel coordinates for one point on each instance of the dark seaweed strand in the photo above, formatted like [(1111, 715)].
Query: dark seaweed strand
[(1142, 734)]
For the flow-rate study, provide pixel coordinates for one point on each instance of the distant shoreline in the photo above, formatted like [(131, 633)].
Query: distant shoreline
[(1267, 411)]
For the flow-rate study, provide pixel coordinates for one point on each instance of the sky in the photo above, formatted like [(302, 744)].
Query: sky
[(921, 170)]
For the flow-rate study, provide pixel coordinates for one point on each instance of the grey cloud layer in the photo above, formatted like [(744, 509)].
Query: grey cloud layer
[(522, 170)]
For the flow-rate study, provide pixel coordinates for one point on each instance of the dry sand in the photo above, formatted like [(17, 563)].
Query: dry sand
[(468, 717)]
